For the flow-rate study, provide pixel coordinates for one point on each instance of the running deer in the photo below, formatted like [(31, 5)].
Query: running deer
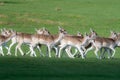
[(20, 39), (42, 31), (4, 32), (101, 42), (68, 49), (87, 44), (74, 41), (49, 40), (116, 37), (5, 38), (90, 46)]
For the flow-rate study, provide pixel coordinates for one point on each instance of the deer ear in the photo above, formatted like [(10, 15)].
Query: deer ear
[(86, 34), (111, 31), (59, 28), (91, 30), (4, 29), (43, 28), (11, 30), (1, 30), (78, 32)]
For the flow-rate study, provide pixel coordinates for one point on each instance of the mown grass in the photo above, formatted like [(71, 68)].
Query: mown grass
[(73, 15)]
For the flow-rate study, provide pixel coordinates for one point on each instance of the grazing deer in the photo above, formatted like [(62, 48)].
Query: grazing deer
[(49, 40)]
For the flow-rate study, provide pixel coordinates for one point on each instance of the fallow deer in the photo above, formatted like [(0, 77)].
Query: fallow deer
[(102, 42), (42, 31), (87, 44), (68, 49), (74, 41), (20, 39), (49, 40), (5, 38)]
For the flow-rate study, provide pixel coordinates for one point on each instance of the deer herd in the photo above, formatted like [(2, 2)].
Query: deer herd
[(59, 43)]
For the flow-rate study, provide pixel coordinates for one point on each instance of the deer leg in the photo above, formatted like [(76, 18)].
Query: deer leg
[(60, 49), (19, 48), (81, 52), (38, 47), (1, 50), (96, 52), (16, 50), (102, 53), (109, 53), (56, 50), (49, 51), (68, 51), (113, 52), (28, 52), (76, 50), (6, 47), (33, 54), (91, 48), (9, 53)]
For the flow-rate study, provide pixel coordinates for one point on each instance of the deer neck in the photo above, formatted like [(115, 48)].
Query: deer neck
[(117, 40), (58, 38), (85, 41), (6, 38)]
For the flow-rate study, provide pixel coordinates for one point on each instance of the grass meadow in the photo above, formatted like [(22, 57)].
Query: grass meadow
[(73, 15)]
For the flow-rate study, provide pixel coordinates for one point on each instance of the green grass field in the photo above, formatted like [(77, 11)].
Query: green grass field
[(26, 68), (72, 15)]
